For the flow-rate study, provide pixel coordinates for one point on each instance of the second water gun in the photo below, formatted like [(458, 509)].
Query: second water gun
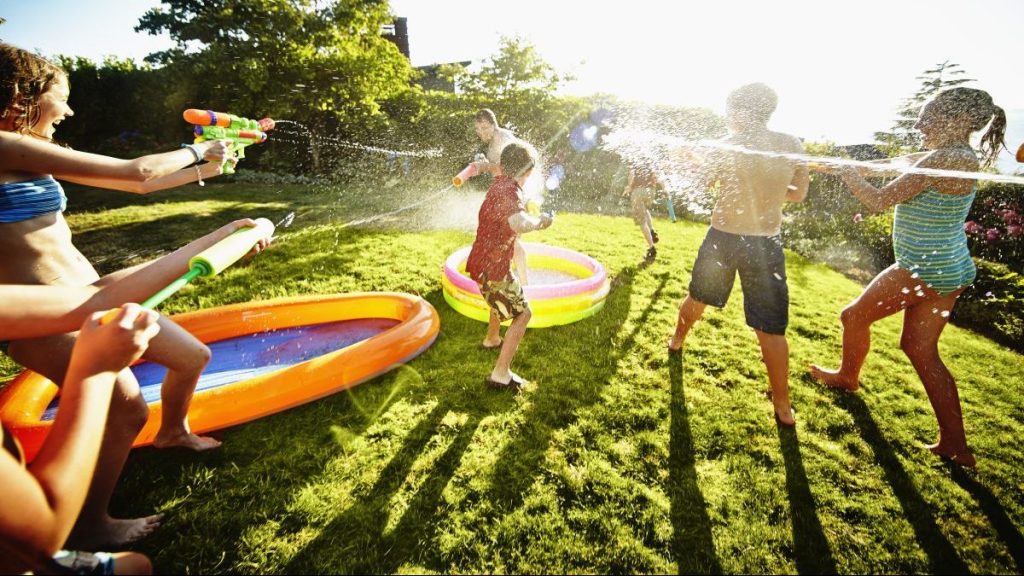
[(468, 172), (209, 262)]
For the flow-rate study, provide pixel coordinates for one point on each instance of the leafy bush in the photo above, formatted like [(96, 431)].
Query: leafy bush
[(994, 304)]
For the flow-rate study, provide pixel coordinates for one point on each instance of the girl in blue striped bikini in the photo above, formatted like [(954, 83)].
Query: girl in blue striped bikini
[(933, 265), (36, 249)]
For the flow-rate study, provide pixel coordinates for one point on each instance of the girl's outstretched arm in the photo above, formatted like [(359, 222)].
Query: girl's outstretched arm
[(911, 184), (172, 180), (22, 153)]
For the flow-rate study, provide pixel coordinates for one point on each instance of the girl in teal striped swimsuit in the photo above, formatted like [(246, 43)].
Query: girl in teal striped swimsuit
[(933, 265)]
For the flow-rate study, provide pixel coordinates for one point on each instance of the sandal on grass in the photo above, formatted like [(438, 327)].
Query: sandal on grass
[(515, 383)]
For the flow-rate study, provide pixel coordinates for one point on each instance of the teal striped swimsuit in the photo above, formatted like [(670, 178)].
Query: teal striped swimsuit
[(929, 240)]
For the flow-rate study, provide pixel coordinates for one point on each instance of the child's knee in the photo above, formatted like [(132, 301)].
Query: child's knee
[(849, 315), (196, 359), (526, 314), (130, 411), (917, 350)]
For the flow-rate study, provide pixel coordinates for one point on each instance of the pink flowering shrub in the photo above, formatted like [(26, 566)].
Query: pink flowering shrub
[(995, 226)]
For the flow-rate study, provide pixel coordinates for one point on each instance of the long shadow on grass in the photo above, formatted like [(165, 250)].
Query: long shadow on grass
[(581, 378), (693, 545), (813, 554), (357, 541), (215, 497), (997, 515), (942, 556)]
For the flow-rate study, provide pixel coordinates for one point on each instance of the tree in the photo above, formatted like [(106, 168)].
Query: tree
[(518, 83), (113, 108), (903, 137), (324, 64)]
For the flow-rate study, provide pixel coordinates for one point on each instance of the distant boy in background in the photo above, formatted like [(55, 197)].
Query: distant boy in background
[(485, 124), (745, 231), (502, 218), (640, 188)]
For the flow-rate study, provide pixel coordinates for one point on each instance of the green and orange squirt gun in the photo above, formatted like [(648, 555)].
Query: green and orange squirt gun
[(210, 125)]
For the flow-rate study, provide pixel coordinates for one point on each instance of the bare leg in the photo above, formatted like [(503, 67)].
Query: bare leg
[(513, 336), (95, 528), (493, 337), (185, 357), (690, 311), (891, 291), (646, 226), (132, 563), (519, 260), (921, 330), (775, 351)]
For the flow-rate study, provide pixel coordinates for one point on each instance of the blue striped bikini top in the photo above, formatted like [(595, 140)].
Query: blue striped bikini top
[(20, 201)]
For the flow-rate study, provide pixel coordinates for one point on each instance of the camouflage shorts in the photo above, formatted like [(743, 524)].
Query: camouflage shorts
[(504, 296)]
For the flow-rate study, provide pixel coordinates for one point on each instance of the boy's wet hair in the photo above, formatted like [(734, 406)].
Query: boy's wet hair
[(486, 115), (24, 78), (517, 158), (757, 99), (977, 108)]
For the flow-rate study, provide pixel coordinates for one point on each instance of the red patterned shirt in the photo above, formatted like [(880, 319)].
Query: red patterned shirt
[(491, 255)]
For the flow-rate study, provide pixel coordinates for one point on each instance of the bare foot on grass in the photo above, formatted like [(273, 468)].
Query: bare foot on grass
[(675, 344), (832, 379), (960, 457), (186, 440), (789, 420), (113, 533)]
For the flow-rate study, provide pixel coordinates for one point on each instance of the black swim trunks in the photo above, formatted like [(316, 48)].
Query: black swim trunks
[(762, 268)]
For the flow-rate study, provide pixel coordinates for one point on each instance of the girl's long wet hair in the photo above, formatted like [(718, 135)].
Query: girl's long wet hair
[(24, 78), (977, 106)]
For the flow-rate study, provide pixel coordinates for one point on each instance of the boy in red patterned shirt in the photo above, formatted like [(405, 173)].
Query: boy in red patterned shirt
[(501, 219)]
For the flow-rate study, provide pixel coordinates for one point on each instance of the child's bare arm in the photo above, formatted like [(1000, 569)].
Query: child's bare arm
[(27, 154), (172, 180), (151, 276), (40, 505), (801, 182), (523, 222), (910, 185)]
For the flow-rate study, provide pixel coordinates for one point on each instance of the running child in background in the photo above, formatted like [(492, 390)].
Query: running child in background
[(640, 188)]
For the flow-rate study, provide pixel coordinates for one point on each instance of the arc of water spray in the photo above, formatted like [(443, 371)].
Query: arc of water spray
[(649, 136), (432, 153)]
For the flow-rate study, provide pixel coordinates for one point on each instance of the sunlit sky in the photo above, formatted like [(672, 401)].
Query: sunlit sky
[(841, 68)]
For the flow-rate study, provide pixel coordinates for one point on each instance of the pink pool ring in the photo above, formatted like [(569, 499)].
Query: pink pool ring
[(565, 286)]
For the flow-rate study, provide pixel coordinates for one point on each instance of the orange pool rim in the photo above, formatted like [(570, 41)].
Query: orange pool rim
[(26, 398)]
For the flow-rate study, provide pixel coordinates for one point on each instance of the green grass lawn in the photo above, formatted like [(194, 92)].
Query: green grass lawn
[(620, 458)]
